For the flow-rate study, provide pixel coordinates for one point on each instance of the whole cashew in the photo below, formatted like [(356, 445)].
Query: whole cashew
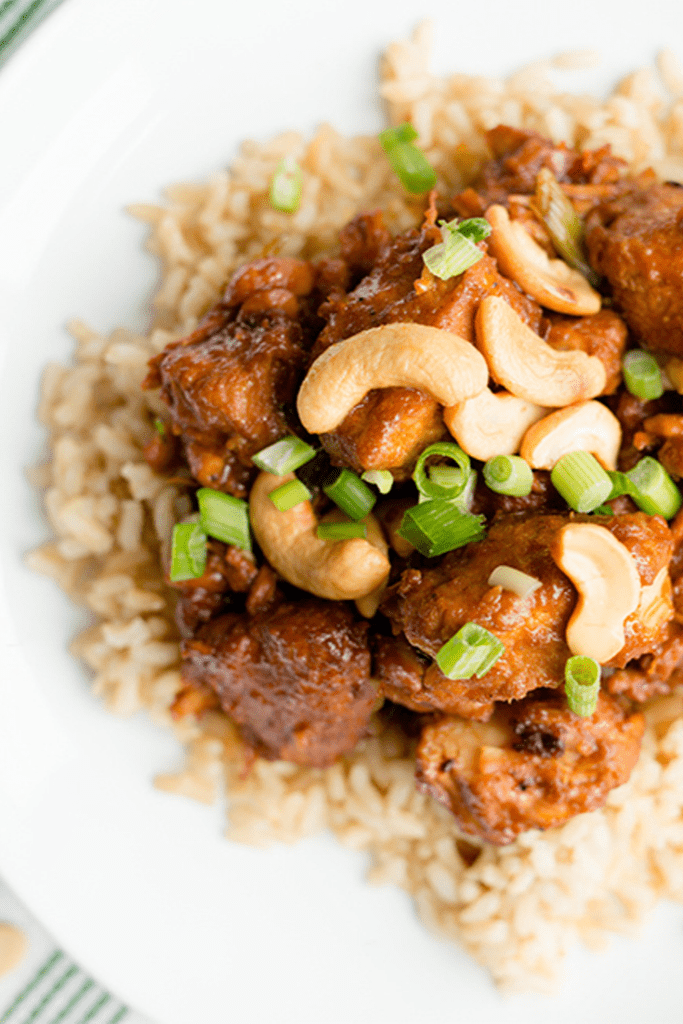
[(341, 570), (527, 366), (553, 283), (404, 355), (491, 424), (586, 426), (604, 572)]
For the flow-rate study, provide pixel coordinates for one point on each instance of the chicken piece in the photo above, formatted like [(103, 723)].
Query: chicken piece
[(387, 430), (653, 674), (294, 678), (637, 244), (518, 156), (429, 606), (228, 569), (603, 335), (535, 764), (227, 382)]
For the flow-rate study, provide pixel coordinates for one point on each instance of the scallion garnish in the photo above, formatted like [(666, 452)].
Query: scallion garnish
[(452, 256), (286, 455), (653, 490), (508, 474), (642, 375), (436, 526), (564, 225), (341, 531), (382, 479), (582, 684), (286, 185), (474, 228), (407, 161), (520, 583), (472, 651), (224, 517), (351, 495), (289, 494), (160, 427), (431, 487), (188, 552), (581, 480)]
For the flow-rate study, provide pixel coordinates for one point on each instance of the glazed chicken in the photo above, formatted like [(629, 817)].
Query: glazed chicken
[(299, 673)]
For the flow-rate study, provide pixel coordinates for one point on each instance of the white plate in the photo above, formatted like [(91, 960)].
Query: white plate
[(103, 106)]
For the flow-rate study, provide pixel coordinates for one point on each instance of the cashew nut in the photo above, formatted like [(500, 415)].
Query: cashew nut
[(338, 570), (527, 366), (604, 572), (491, 424), (552, 282), (394, 355), (587, 426)]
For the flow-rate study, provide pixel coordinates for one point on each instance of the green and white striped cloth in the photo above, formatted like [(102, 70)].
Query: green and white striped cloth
[(17, 19)]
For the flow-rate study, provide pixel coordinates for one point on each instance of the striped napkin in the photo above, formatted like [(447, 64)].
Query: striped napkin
[(46, 986)]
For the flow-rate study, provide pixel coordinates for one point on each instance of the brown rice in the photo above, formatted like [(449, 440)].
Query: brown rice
[(517, 908)]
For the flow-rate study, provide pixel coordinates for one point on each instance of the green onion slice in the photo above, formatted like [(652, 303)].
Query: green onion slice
[(382, 479), (581, 480), (436, 526), (286, 455), (508, 474), (472, 651), (412, 167), (642, 375), (391, 137), (451, 257), (474, 228), (431, 487), (224, 517), (341, 531), (160, 427), (351, 495), (564, 225), (582, 684), (286, 185), (289, 494), (520, 583), (188, 552), (653, 490)]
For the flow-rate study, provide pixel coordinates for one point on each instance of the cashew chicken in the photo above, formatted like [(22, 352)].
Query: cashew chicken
[(404, 355), (342, 570)]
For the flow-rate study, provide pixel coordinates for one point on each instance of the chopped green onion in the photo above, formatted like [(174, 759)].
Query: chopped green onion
[(436, 526), (288, 495), (564, 225), (351, 495), (508, 474), (382, 479), (451, 257), (430, 487), (474, 228), (520, 583), (642, 375), (463, 501), (653, 489), (407, 161), (581, 481), (286, 455), (188, 552), (160, 427), (391, 137), (603, 510), (285, 187), (472, 651), (341, 531), (582, 684), (224, 517)]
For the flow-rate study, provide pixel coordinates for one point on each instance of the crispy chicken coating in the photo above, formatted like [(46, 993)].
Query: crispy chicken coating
[(535, 764)]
